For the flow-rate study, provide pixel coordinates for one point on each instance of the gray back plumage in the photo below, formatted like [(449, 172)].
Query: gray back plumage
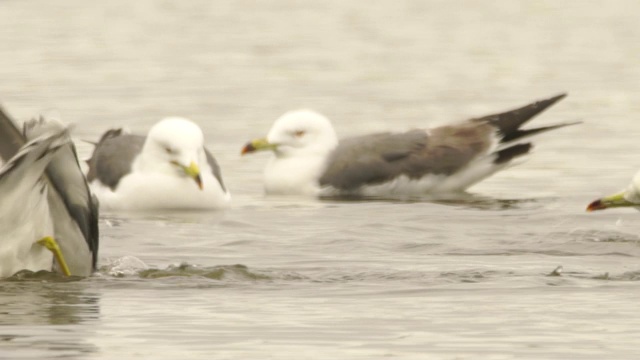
[(377, 158), (113, 157), (115, 152), (444, 150)]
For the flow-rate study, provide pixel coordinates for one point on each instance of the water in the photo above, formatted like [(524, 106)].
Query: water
[(276, 278)]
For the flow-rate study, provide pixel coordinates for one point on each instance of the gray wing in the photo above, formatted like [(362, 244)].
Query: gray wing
[(215, 168), (378, 158), (76, 228), (115, 152), (11, 140), (73, 208), (113, 157), (25, 169)]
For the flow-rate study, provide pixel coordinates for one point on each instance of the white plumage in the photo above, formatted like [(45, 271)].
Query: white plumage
[(168, 169), (308, 158)]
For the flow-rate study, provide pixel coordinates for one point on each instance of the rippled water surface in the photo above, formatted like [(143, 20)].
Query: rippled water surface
[(273, 278)]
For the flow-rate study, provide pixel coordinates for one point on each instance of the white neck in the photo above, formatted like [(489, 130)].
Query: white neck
[(294, 174)]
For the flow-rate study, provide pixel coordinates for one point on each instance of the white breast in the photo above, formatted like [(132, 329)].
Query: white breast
[(293, 175)]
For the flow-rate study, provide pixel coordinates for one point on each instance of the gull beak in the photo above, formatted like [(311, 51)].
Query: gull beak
[(616, 200), (258, 145), (192, 171)]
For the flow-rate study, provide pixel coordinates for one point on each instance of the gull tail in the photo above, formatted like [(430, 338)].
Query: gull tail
[(508, 127), (521, 134), (509, 122)]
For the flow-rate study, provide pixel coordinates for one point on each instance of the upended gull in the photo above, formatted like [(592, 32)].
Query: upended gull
[(168, 169), (629, 197), (47, 209), (309, 159)]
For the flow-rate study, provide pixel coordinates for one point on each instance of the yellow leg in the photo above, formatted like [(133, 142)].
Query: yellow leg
[(51, 244)]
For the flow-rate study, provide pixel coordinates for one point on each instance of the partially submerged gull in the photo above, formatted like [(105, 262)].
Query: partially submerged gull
[(629, 197), (309, 159), (168, 169), (46, 202)]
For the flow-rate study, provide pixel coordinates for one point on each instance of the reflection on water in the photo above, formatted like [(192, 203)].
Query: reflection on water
[(51, 299), (464, 199), (43, 314)]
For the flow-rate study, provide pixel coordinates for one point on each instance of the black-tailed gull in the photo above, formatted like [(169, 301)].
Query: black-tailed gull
[(309, 159), (46, 202), (629, 197), (168, 169)]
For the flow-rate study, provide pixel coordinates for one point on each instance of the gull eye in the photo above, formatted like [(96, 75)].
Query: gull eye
[(169, 150), (298, 133)]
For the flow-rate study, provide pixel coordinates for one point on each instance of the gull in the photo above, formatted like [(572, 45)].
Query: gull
[(309, 159), (47, 209), (629, 197), (168, 169)]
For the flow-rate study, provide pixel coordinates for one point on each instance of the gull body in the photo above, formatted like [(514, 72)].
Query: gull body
[(310, 160), (24, 199), (46, 202), (168, 169)]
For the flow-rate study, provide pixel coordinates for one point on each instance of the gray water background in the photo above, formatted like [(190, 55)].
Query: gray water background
[(279, 278)]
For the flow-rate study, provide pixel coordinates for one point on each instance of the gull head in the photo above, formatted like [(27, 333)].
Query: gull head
[(297, 132), (176, 145), (630, 197)]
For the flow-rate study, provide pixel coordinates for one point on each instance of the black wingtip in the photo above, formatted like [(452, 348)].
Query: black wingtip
[(544, 104), (509, 122), (519, 134), (506, 155), (557, 98)]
